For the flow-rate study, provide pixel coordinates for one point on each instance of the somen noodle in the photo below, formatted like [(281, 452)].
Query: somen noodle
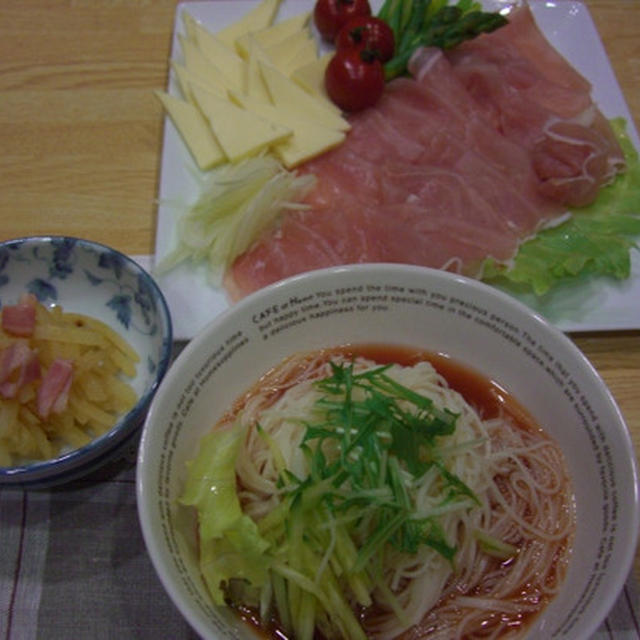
[(349, 496)]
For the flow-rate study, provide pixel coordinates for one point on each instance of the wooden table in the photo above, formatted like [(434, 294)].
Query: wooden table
[(80, 133)]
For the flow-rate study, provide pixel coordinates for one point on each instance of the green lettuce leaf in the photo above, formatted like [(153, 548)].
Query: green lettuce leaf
[(230, 543), (596, 240), (211, 483), (240, 553)]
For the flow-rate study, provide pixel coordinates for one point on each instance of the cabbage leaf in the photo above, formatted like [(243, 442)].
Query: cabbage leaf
[(230, 544)]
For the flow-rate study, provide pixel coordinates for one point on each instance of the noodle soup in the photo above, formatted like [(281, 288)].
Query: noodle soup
[(381, 492)]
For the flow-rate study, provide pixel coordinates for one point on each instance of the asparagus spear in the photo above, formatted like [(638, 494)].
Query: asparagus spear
[(433, 23)]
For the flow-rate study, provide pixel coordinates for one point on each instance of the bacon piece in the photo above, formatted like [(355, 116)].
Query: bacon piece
[(20, 319), (19, 366), (53, 393)]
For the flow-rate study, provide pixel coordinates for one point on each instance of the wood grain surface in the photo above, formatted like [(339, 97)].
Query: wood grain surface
[(80, 133)]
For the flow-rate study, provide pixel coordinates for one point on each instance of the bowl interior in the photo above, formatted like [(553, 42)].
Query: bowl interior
[(398, 305), (91, 279)]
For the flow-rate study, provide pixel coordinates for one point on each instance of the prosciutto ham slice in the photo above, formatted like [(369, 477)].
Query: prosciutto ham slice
[(533, 96), (448, 168)]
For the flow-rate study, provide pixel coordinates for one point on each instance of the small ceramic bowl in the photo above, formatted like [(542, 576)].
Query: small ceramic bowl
[(440, 312), (95, 280)]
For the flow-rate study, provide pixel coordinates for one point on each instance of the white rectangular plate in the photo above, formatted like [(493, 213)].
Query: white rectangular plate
[(597, 304)]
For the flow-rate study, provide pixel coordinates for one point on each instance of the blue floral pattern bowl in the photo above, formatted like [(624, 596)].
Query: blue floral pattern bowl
[(93, 279)]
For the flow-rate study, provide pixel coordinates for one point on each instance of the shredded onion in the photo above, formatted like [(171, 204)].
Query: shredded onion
[(238, 202)]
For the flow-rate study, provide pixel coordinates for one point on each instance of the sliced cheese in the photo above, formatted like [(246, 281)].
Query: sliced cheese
[(313, 142), (282, 52), (182, 76), (224, 57), (240, 133), (306, 53), (189, 25), (194, 130), (310, 77), (254, 85), (294, 100), (309, 139), (186, 78), (199, 65), (260, 17), (274, 33)]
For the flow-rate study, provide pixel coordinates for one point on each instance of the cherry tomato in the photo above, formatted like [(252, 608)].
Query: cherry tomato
[(367, 32), (354, 79), (330, 15)]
